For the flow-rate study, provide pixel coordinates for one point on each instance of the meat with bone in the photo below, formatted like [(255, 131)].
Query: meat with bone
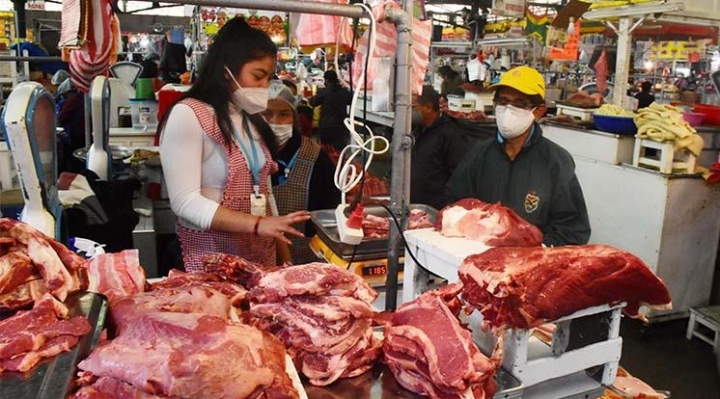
[(191, 299), (431, 354), (492, 224), (321, 312), (178, 279), (316, 279), (44, 331), (524, 287), (117, 274), (186, 355), (58, 281)]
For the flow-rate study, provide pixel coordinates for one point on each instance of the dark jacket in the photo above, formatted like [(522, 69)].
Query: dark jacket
[(644, 99), (322, 193), (435, 155), (335, 100), (540, 185)]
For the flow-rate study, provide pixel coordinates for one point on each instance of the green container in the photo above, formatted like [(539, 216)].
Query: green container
[(145, 89)]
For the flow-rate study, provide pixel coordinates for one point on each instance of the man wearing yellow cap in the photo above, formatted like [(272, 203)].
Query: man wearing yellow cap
[(523, 170)]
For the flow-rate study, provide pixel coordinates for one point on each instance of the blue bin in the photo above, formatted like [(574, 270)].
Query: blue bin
[(615, 124)]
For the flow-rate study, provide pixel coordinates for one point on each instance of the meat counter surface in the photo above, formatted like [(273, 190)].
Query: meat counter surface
[(53, 377), (379, 383)]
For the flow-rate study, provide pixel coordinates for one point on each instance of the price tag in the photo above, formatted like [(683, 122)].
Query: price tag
[(258, 204)]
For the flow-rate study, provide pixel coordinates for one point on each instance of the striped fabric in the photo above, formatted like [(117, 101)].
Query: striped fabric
[(315, 30), (93, 57), (236, 196), (386, 45)]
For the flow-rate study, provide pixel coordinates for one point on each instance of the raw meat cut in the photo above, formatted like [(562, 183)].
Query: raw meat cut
[(112, 388), (316, 279), (58, 280), (29, 336), (376, 227), (23, 295), (178, 279), (431, 354), (321, 312), (188, 355), (15, 268), (116, 274), (632, 388), (524, 287), (201, 300), (492, 224), (235, 268)]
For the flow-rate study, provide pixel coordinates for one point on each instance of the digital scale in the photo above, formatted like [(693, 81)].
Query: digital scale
[(373, 271), (369, 258)]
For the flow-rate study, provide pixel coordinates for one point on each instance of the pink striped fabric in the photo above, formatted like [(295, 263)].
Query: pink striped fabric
[(93, 58), (386, 44), (323, 30)]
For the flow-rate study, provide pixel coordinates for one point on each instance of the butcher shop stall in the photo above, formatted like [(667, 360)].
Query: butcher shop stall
[(403, 300)]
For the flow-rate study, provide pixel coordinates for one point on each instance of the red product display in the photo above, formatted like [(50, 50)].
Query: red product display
[(523, 287)]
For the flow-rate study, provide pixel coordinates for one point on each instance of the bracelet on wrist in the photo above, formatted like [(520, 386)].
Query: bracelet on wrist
[(257, 225)]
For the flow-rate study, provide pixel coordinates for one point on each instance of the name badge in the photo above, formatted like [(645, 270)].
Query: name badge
[(258, 204)]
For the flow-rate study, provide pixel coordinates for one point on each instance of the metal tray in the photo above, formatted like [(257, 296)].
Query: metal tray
[(118, 153), (379, 383), (53, 378), (326, 227)]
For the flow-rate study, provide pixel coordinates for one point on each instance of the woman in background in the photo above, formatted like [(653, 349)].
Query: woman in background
[(304, 180), (217, 154)]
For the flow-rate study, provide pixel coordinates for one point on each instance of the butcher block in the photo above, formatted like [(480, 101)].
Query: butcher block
[(53, 377)]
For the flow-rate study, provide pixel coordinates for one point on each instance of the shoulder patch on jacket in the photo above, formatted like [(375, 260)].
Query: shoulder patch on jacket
[(532, 201)]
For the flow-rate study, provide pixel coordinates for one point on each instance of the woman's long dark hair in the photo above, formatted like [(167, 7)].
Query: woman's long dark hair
[(235, 45)]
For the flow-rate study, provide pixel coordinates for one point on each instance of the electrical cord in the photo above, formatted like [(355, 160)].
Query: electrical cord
[(347, 175), (400, 230)]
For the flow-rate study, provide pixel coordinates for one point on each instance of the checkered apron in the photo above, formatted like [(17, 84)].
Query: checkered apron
[(292, 196), (236, 196)]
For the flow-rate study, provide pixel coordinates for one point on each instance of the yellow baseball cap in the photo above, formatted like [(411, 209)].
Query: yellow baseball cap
[(524, 79)]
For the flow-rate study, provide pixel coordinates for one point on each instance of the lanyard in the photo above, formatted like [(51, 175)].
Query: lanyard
[(288, 168), (254, 163)]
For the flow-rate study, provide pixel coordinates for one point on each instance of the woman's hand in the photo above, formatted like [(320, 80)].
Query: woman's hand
[(278, 226)]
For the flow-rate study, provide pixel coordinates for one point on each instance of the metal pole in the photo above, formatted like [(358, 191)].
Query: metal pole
[(622, 65), (281, 5), (401, 145), (88, 128)]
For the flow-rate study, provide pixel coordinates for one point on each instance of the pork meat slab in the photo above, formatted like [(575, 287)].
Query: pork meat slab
[(187, 355), (493, 224)]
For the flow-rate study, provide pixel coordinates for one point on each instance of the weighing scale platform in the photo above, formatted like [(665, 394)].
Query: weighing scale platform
[(374, 271)]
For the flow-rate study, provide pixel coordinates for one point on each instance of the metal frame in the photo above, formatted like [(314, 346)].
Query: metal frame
[(402, 139), (626, 26)]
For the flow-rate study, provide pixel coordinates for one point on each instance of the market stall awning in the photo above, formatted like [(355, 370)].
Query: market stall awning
[(667, 31)]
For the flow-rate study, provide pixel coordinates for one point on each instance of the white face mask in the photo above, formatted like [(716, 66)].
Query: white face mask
[(282, 132), (249, 99), (512, 121)]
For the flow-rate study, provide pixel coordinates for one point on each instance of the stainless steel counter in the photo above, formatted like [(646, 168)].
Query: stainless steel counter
[(379, 383)]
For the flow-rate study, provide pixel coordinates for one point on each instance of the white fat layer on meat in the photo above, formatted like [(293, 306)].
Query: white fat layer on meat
[(450, 219), (489, 279)]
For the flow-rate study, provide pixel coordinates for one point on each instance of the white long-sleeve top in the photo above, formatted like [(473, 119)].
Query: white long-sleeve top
[(196, 167)]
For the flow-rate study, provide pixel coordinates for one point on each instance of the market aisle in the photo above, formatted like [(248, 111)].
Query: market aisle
[(661, 356)]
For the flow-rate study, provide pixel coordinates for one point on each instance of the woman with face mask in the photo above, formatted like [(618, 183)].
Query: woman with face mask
[(217, 154), (522, 169), (304, 180)]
